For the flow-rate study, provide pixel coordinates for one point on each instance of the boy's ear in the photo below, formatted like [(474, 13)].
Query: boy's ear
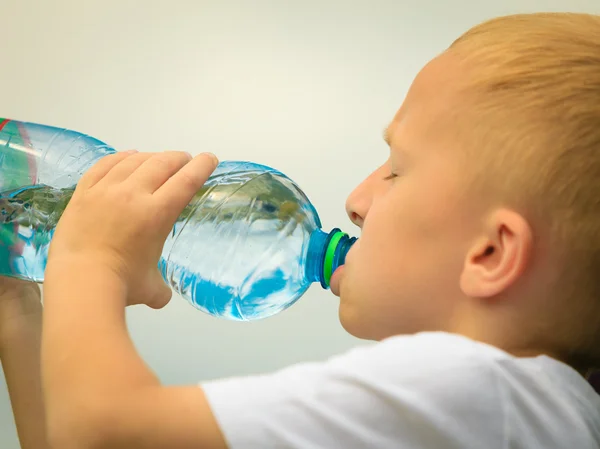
[(499, 257)]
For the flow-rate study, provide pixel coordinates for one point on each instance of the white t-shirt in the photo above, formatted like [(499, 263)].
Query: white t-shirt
[(430, 390)]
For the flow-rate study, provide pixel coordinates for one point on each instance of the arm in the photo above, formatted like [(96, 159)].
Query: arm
[(98, 391), (20, 337)]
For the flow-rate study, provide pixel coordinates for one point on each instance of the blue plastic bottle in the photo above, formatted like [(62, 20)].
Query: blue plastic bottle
[(246, 247)]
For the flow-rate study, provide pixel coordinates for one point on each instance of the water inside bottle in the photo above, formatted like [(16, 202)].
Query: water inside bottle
[(28, 217), (236, 251), (239, 254)]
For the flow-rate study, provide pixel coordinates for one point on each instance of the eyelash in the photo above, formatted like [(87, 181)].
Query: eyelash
[(390, 176)]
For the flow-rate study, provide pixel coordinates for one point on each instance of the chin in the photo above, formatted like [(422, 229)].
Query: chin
[(360, 325), (354, 322)]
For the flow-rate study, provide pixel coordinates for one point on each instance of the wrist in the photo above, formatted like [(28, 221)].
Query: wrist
[(80, 268), (79, 262), (71, 278), (13, 288), (20, 322)]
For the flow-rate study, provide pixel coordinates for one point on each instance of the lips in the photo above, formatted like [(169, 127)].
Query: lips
[(334, 283)]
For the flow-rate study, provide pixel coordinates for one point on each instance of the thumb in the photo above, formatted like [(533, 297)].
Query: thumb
[(161, 293)]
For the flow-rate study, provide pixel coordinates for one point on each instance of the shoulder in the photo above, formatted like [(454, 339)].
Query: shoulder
[(435, 362), (422, 357), (437, 367), (426, 388)]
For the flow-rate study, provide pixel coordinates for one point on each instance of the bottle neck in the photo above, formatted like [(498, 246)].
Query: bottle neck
[(326, 252)]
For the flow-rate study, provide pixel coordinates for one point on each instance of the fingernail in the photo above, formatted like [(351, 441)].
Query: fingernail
[(213, 157), (131, 151)]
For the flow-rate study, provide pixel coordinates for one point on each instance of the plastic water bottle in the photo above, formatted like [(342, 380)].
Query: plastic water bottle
[(246, 247)]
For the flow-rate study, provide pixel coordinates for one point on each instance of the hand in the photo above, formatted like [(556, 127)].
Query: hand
[(121, 214), (20, 302), (20, 341)]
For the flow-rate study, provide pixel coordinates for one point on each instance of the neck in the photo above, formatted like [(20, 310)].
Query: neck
[(511, 330)]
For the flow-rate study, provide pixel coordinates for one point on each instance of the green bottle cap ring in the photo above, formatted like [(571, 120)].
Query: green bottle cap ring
[(330, 254)]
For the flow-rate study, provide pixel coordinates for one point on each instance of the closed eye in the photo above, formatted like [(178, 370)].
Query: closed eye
[(390, 176)]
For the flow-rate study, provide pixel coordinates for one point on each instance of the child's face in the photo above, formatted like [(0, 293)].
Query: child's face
[(402, 276)]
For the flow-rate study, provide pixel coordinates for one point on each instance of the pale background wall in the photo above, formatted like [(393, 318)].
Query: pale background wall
[(304, 86)]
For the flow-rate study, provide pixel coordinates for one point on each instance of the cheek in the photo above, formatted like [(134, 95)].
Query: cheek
[(377, 258), (408, 239), (393, 222), (423, 211)]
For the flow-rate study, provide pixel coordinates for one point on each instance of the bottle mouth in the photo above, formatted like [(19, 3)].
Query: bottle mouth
[(337, 245)]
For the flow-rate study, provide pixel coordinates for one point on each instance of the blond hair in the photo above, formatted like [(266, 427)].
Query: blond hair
[(538, 77)]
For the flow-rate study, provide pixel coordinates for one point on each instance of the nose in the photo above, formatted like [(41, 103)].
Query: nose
[(356, 218), (360, 200)]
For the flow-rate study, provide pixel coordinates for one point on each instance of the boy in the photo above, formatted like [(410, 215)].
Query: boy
[(485, 221)]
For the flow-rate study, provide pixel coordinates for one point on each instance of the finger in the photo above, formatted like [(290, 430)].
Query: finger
[(154, 172), (179, 190), (101, 168), (124, 169)]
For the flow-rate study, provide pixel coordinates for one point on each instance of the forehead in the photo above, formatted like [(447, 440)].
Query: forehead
[(433, 103)]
